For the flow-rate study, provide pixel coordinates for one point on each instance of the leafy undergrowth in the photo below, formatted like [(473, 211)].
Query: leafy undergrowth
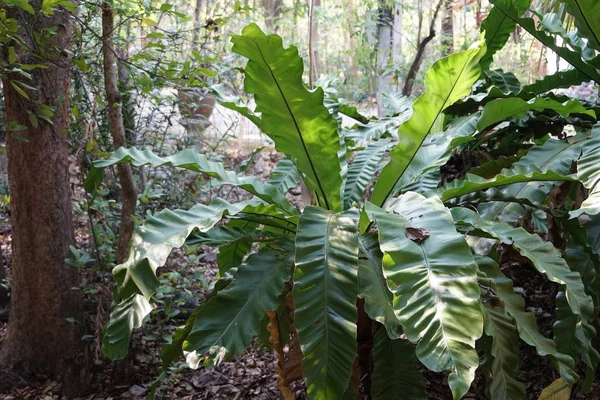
[(252, 376)]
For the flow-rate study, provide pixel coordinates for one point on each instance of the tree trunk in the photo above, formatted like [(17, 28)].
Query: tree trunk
[(397, 44), (384, 47), (40, 340), (414, 68), (197, 24), (447, 28), (313, 42), (272, 10), (117, 130)]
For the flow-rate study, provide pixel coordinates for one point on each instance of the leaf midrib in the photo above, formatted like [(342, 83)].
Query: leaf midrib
[(298, 130)]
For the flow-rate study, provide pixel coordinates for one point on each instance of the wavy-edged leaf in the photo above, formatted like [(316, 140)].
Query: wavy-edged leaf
[(434, 282), (548, 261), (373, 287), (588, 172), (233, 240), (504, 350), (284, 176), (570, 56), (553, 155), (501, 109), (190, 159), (586, 14), (295, 118), (474, 183), (525, 321), (558, 390), (505, 81), (128, 315), (498, 28), (269, 216), (557, 80), (448, 80), (325, 291), (362, 134), (362, 170), (150, 247), (229, 320), (395, 373)]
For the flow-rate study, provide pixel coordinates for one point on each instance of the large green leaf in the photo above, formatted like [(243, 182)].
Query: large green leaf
[(525, 321), (229, 320), (501, 109), (434, 282), (570, 56), (151, 245), (553, 155), (498, 28), (395, 372), (190, 159), (474, 183), (373, 287), (325, 291), (546, 259), (558, 80), (448, 80), (292, 116), (588, 172), (504, 349), (587, 15), (362, 170)]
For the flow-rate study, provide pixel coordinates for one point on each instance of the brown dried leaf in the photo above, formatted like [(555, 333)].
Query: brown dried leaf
[(417, 234)]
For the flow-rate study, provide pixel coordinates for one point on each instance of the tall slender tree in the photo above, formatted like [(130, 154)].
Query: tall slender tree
[(42, 338), (384, 47), (117, 130)]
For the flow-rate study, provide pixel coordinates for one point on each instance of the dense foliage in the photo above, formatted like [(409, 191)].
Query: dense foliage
[(421, 250)]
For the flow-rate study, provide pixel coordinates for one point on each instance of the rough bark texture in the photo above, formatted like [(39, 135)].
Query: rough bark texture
[(117, 130), (40, 340)]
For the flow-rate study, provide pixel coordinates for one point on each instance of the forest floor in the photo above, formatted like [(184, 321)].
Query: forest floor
[(252, 376)]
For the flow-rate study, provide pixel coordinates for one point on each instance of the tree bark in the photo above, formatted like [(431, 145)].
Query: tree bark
[(197, 24), (447, 28), (414, 68), (313, 43), (272, 12), (40, 340), (384, 47), (397, 28), (117, 130)]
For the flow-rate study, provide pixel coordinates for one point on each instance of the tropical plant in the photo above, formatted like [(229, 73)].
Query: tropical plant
[(416, 262)]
